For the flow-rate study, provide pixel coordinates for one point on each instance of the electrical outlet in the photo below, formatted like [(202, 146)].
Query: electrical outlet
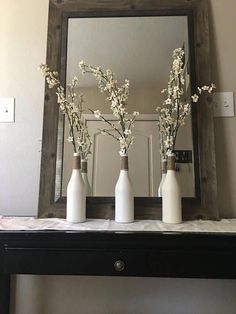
[(7, 110), (183, 156), (223, 104)]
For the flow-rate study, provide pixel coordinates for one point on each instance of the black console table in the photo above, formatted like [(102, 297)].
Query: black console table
[(144, 254)]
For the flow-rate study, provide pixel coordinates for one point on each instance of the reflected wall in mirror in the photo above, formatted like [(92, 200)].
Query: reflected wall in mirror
[(145, 22), (135, 48)]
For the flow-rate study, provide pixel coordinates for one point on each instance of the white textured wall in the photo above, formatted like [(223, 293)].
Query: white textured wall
[(115, 295), (23, 27), (223, 44)]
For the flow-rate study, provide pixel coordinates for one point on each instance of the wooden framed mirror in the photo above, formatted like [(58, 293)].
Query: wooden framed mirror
[(202, 203)]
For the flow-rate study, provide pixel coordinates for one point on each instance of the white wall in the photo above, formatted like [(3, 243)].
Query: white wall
[(223, 50), (23, 27), (115, 295)]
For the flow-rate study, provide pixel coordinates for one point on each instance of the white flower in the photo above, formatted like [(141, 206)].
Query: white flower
[(199, 90), (108, 72), (74, 108), (122, 152), (97, 114), (70, 139), (81, 64), (168, 101), (135, 113), (211, 88), (169, 141), (75, 80), (127, 131), (186, 108), (195, 98)]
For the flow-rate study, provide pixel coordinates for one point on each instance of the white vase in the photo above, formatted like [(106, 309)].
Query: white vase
[(171, 196), (76, 194), (124, 199), (163, 176), (84, 172)]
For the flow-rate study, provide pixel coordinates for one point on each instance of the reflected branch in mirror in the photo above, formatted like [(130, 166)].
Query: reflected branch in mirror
[(117, 96)]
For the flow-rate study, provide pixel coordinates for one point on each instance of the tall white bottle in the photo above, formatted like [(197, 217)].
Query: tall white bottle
[(171, 195), (124, 199), (76, 194), (84, 173), (163, 176)]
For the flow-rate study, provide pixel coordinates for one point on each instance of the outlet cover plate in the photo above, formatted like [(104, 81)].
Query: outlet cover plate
[(223, 104), (7, 109), (183, 156)]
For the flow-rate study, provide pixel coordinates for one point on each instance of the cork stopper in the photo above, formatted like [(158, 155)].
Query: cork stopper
[(171, 162), (84, 166), (164, 166), (76, 161), (124, 163)]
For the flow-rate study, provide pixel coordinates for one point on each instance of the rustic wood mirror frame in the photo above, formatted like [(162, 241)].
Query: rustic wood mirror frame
[(204, 205)]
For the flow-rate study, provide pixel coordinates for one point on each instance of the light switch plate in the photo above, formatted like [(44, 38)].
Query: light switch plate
[(7, 109), (223, 104)]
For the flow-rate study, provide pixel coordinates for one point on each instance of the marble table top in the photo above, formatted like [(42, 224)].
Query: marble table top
[(32, 223)]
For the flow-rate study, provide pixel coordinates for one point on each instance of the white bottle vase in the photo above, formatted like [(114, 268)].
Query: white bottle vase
[(171, 196), (84, 173), (124, 199), (163, 176), (76, 195)]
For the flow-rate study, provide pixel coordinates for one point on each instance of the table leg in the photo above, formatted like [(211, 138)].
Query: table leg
[(4, 294)]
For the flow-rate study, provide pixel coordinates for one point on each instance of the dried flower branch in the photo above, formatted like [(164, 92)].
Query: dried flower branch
[(175, 109), (117, 96), (72, 107)]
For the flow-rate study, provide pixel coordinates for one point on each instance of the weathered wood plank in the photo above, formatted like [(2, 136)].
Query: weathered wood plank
[(207, 157), (50, 119)]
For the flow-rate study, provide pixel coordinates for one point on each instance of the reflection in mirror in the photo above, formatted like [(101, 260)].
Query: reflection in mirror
[(138, 49)]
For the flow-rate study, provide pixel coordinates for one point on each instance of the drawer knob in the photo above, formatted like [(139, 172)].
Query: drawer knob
[(119, 265)]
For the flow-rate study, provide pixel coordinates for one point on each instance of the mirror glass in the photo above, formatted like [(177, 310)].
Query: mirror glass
[(138, 49)]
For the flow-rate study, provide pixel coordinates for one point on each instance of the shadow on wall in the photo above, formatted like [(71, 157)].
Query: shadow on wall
[(224, 127), (28, 295), (120, 295)]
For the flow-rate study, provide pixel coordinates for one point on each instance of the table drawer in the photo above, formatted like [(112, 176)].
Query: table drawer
[(76, 262), (123, 262)]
